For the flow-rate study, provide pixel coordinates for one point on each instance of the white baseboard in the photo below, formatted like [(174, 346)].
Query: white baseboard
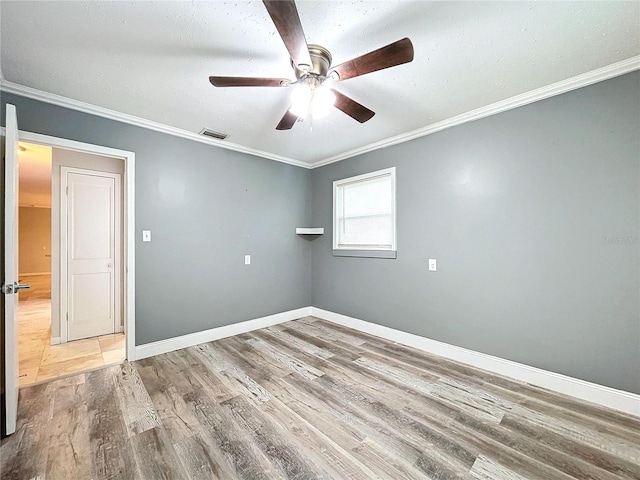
[(184, 341), (55, 340), (609, 397), (36, 274), (591, 392)]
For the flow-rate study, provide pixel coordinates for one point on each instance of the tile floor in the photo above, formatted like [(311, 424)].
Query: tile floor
[(39, 360)]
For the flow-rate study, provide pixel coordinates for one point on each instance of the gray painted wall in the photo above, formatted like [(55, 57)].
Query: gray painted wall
[(207, 208), (517, 209)]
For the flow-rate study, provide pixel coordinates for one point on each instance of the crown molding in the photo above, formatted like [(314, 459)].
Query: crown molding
[(59, 100), (573, 83)]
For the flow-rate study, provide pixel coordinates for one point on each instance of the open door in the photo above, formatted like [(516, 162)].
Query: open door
[(10, 287)]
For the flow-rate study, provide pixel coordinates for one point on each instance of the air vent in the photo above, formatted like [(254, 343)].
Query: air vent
[(210, 133)]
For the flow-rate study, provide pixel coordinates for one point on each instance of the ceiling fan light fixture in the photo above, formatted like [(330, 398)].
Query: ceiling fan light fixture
[(312, 66), (309, 97), (300, 100), (322, 101)]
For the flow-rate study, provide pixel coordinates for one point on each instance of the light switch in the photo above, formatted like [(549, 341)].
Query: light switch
[(146, 235), (247, 259), (432, 265)]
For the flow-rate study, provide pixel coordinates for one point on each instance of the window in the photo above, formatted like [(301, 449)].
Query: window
[(364, 215)]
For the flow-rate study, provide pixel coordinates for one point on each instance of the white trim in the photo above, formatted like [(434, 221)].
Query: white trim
[(57, 142), (129, 159), (129, 276), (35, 274), (63, 280), (61, 101), (609, 397), (55, 341), (573, 83), (184, 341)]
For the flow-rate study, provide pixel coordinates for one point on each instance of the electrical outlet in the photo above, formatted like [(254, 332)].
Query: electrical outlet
[(146, 235), (432, 265)]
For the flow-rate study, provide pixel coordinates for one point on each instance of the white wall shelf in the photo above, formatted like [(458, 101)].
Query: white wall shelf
[(309, 231)]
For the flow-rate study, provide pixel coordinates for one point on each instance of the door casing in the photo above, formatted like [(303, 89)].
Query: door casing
[(128, 233)]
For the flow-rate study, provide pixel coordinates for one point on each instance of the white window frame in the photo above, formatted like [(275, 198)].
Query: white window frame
[(365, 251)]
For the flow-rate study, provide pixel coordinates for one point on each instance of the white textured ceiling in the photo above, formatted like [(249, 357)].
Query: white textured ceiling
[(152, 60)]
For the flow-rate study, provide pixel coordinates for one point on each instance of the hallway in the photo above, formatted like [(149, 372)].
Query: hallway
[(39, 360)]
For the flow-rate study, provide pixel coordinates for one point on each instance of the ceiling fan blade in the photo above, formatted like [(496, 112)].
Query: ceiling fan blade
[(248, 82), (395, 53), (287, 21), (352, 108), (287, 121)]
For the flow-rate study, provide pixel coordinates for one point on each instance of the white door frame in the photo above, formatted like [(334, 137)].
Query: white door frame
[(128, 233), (64, 248)]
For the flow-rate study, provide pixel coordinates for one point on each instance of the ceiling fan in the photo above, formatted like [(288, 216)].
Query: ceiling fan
[(312, 93)]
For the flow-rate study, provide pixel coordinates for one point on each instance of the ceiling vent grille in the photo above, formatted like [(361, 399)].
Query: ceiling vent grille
[(210, 133)]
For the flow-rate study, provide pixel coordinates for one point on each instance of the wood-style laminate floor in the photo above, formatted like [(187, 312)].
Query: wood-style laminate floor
[(38, 359), (308, 399)]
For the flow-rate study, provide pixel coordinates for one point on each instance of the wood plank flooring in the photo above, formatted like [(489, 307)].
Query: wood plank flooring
[(308, 399)]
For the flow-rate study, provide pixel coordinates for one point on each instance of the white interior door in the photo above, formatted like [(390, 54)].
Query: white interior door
[(11, 271), (91, 234)]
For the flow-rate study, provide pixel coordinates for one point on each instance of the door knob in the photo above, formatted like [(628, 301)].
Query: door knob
[(8, 289), (108, 265)]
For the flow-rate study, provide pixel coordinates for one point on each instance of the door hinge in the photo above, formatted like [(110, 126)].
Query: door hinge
[(66, 191)]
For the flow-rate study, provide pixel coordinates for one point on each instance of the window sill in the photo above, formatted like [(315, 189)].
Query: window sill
[(365, 253)]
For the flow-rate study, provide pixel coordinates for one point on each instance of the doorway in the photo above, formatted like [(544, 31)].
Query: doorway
[(71, 246), (9, 301)]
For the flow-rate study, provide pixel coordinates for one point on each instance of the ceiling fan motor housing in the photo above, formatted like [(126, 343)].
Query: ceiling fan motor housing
[(320, 60)]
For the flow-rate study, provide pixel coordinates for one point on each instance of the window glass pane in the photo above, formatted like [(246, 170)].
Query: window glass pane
[(364, 213), (373, 230), (370, 197)]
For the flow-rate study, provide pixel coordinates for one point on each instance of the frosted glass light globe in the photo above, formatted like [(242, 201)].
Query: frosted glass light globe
[(309, 97), (300, 100), (322, 101)]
